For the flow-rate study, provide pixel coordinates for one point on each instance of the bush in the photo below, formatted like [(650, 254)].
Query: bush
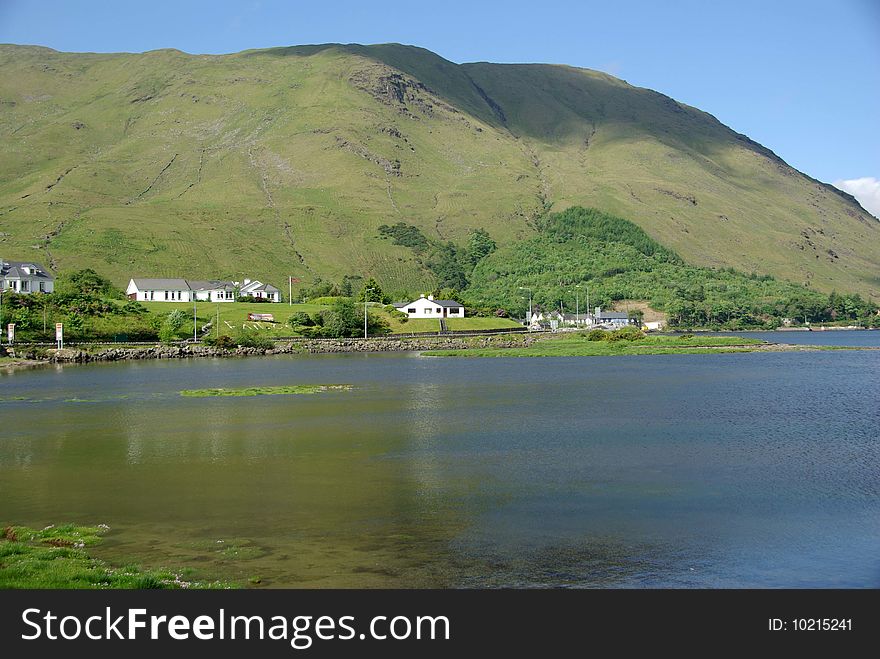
[(300, 319), (629, 333), (685, 337), (223, 341), (597, 335), (253, 340)]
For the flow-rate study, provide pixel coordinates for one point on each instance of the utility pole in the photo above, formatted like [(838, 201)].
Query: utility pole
[(526, 288), (577, 309), (195, 320), (366, 298), (289, 290)]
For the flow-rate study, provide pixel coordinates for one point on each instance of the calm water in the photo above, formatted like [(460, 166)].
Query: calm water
[(682, 471), (849, 338)]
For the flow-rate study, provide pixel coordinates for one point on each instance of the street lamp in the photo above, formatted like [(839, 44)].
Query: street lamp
[(526, 288), (577, 320), (366, 297)]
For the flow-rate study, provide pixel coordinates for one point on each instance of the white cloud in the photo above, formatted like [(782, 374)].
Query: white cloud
[(866, 190)]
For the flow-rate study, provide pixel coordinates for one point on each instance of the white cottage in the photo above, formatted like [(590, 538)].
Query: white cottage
[(25, 277), (213, 290), (159, 290), (258, 289), (428, 307)]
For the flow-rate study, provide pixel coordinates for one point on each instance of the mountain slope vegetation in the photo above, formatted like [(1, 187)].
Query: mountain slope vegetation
[(287, 161)]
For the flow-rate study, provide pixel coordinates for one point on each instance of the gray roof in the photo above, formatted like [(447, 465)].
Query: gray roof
[(15, 269), (269, 288), (447, 303), (612, 315), (161, 284), (210, 285), (401, 305)]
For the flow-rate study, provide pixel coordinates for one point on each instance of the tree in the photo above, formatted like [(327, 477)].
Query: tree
[(445, 263), (87, 282), (342, 320), (372, 292), (480, 245)]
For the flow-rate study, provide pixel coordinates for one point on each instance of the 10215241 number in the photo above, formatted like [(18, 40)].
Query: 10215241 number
[(821, 624)]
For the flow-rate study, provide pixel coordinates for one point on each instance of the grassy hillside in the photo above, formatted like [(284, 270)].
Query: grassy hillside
[(596, 257), (288, 160)]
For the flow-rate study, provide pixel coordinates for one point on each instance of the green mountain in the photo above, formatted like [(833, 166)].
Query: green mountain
[(288, 160)]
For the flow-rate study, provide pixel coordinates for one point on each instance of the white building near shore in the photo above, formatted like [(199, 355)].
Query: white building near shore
[(25, 277), (428, 307), (159, 290)]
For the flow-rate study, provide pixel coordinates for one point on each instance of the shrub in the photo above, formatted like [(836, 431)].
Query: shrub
[(300, 319), (249, 339), (133, 307), (223, 341), (629, 333), (597, 335), (685, 337)]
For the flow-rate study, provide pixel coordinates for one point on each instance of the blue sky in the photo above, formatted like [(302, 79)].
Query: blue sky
[(801, 77)]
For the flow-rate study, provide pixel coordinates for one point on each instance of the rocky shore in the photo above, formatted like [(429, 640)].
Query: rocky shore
[(307, 346)]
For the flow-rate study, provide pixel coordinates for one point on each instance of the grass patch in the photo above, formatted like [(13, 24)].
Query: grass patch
[(478, 323), (266, 391), (56, 557), (580, 346)]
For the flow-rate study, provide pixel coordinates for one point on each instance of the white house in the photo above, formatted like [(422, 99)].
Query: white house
[(25, 277), (613, 319), (428, 307), (159, 290), (213, 290), (258, 289)]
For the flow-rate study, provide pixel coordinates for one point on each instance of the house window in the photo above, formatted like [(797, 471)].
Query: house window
[(42, 287), (25, 286), (411, 310), (453, 310)]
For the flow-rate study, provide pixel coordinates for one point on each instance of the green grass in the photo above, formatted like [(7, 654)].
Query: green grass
[(579, 346), (57, 557), (266, 391), (233, 316), (477, 323), (283, 162)]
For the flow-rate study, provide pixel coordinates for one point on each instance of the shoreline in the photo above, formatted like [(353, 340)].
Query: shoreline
[(29, 358)]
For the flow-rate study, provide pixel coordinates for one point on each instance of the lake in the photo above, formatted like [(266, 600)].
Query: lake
[(727, 470)]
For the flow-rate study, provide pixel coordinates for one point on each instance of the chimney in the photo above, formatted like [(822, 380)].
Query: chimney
[(247, 281), (598, 311), (430, 297)]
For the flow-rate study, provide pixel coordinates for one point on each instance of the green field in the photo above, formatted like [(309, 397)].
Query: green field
[(233, 316), (574, 345), (286, 161), (477, 323)]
